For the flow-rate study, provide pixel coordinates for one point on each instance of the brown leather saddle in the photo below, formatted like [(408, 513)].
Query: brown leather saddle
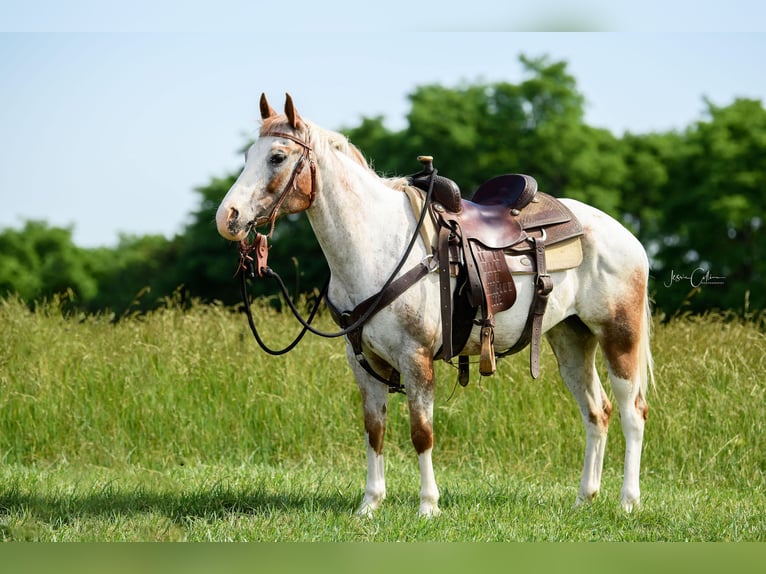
[(507, 228)]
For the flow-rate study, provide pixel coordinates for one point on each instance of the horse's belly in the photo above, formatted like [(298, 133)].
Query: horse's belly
[(509, 325)]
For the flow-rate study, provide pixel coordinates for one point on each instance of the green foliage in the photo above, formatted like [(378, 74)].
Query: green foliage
[(714, 207), (693, 198), (39, 261), (132, 276), (477, 131)]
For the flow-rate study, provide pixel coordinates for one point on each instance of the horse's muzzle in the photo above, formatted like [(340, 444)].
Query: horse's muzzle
[(230, 225)]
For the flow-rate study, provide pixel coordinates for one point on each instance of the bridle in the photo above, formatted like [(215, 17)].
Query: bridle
[(306, 155)]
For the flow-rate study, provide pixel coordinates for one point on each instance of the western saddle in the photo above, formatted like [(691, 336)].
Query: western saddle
[(507, 228)]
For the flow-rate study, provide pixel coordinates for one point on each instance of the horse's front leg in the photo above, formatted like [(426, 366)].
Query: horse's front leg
[(419, 381), (375, 404)]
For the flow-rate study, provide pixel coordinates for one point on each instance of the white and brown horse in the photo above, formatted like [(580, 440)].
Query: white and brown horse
[(363, 223)]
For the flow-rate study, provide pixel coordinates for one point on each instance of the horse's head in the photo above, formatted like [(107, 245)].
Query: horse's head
[(279, 176)]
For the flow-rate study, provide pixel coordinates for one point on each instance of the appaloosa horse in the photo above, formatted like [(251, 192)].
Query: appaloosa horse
[(363, 224)]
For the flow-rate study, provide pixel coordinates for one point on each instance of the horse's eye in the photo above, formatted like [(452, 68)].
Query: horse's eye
[(277, 158)]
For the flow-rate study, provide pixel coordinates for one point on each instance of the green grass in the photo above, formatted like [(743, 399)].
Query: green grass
[(174, 426), (295, 502)]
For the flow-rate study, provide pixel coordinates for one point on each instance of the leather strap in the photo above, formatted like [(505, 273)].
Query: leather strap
[(346, 318), (297, 169), (463, 370), (533, 328), (394, 290), (444, 291), (475, 289), (543, 288), (254, 266)]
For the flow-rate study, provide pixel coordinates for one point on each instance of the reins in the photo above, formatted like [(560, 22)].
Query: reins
[(369, 307), (267, 272)]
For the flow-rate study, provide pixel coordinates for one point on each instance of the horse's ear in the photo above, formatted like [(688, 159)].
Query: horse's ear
[(266, 110), (292, 115)]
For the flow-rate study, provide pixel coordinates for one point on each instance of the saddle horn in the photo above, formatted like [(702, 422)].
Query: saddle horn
[(292, 115), (266, 110)]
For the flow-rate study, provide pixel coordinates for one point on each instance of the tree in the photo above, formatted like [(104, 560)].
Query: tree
[(135, 275), (39, 261), (478, 131), (714, 207), (387, 152), (649, 160), (694, 198)]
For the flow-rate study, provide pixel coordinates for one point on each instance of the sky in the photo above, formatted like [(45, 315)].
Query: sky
[(110, 119)]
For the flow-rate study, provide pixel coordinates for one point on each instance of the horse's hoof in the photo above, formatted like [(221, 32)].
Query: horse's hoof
[(630, 501), (429, 510), (630, 505), (369, 505), (365, 511), (586, 498)]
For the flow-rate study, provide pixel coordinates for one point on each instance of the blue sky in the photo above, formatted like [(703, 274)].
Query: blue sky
[(109, 120)]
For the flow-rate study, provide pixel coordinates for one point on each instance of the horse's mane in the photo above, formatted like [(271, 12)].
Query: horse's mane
[(320, 138)]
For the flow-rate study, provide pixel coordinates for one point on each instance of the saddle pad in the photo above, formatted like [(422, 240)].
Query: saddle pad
[(428, 231), (559, 257)]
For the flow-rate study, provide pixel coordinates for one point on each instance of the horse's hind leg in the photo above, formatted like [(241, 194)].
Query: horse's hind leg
[(575, 348), (375, 404), (625, 341)]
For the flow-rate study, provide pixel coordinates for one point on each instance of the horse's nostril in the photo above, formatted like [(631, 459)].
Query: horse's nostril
[(233, 213)]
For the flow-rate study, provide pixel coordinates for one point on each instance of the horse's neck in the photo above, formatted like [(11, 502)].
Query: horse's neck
[(362, 226)]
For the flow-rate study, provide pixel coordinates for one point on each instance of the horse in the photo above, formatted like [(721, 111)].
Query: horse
[(363, 221)]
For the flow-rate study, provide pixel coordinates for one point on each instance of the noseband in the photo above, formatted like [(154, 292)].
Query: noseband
[(306, 155)]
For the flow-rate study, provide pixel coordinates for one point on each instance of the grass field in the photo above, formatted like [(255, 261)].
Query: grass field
[(174, 426)]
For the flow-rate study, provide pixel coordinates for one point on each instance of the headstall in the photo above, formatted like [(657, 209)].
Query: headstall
[(305, 156)]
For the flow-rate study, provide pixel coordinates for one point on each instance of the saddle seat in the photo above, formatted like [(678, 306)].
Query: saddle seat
[(511, 190)]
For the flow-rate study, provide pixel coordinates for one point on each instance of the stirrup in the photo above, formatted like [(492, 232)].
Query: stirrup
[(487, 363)]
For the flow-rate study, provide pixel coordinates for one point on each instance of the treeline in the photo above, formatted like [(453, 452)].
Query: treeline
[(696, 199)]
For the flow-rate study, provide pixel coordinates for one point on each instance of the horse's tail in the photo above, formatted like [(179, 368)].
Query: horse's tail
[(646, 363)]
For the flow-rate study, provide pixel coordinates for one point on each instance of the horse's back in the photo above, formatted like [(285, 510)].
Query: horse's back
[(614, 270), (606, 241)]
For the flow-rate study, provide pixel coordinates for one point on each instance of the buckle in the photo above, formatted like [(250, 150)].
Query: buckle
[(544, 284), (430, 263)]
